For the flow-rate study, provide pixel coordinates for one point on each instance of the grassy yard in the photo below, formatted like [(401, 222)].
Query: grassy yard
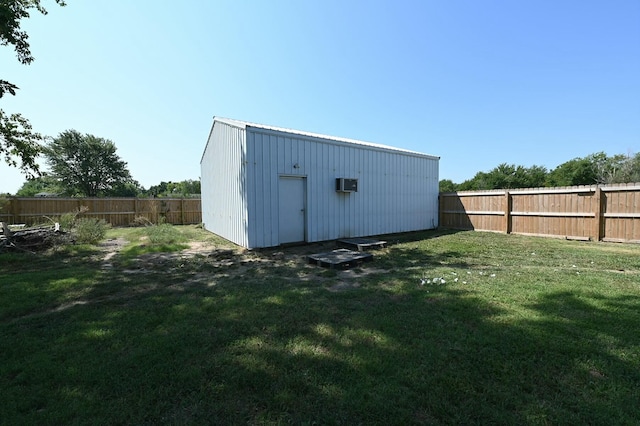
[(441, 328)]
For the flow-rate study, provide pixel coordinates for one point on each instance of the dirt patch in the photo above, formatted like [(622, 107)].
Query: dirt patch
[(343, 286), (359, 273), (110, 248), (206, 264), (348, 279), (203, 262), (194, 250)]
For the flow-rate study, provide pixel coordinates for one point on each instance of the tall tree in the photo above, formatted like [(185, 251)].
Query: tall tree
[(86, 165), (17, 138)]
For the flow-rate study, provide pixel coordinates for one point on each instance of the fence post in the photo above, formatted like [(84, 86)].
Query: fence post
[(440, 210), (15, 210), (507, 211), (182, 210), (597, 220)]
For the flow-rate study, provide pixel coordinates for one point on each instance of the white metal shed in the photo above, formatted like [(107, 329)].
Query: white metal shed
[(263, 186)]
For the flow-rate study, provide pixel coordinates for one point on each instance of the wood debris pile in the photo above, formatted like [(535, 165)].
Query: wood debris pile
[(31, 239)]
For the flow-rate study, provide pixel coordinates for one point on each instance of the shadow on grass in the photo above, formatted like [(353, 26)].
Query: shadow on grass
[(415, 236), (32, 282), (139, 250), (399, 258), (263, 348)]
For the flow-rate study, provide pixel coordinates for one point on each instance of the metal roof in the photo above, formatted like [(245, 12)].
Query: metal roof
[(244, 124)]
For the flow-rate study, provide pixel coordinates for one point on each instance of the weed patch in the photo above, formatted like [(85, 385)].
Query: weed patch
[(164, 234), (90, 230)]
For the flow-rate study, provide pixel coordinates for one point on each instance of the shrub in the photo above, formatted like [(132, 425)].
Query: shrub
[(67, 221), (141, 221), (90, 230), (163, 234)]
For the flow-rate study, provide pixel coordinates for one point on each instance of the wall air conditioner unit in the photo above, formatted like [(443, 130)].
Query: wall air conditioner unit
[(346, 185)]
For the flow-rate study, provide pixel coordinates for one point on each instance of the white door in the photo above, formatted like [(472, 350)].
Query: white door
[(291, 196)]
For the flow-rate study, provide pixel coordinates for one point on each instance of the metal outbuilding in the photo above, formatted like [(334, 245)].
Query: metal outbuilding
[(264, 186)]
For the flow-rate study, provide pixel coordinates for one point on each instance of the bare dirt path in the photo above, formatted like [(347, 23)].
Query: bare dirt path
[(110, 248)]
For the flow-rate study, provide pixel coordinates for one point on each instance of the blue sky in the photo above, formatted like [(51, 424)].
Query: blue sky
[(477, 83)]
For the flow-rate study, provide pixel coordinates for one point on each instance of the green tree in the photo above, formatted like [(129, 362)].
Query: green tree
[(447, 185), (183, 188), (535, 176), (579, 171), (511, 176), (506, 176), (186, 188), (42, 183), (619, 169), (127, 189), (597, 168), (18, 141), (502, 176), (158, 190), (477, 182), (633, 169), (86, 165), (608, 169)]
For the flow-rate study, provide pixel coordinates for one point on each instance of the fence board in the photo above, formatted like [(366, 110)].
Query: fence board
[(607, 212), (116, 211)]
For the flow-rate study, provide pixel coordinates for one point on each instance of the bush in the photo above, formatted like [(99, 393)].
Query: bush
[(66, 221), (90, 230), (163, 234)]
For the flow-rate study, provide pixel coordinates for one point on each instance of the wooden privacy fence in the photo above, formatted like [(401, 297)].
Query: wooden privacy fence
[(598, 212), (116, 211)]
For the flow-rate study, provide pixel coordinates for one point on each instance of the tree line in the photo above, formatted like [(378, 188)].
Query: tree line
[(84, 165), (598, 168)]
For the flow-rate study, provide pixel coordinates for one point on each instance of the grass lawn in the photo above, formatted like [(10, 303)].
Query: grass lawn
[(441, 328)]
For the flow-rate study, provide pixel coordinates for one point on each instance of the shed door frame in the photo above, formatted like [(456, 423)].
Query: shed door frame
[(297, 205)]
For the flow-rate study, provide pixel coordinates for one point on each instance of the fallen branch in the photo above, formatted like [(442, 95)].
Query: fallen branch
[(5, 229), (30, 239)]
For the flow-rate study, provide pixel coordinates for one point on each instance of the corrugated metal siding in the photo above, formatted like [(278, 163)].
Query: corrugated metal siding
[(309, 135), (224, 185), (397, 192)]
